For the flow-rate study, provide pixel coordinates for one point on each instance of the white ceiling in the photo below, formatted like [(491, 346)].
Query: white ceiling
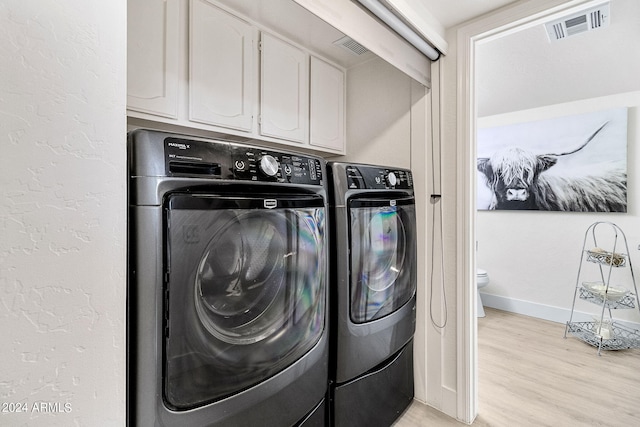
[(453, 12)]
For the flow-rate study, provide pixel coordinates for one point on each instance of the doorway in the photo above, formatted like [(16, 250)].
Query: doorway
[(469, 40), (469, 37)]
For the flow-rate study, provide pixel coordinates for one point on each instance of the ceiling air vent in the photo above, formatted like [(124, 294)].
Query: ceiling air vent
[(587, 20), (350, 45)]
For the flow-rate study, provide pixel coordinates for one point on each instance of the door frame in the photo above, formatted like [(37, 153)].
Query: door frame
[(508, 20)]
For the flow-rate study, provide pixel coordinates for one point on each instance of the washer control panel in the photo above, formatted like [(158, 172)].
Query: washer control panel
[(224, 160), (372, 177), (264, 165)]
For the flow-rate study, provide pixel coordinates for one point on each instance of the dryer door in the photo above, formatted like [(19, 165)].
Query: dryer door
[(246, 291), (383, 256)]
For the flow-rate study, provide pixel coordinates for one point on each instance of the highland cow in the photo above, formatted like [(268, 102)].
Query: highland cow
[(517, 180)]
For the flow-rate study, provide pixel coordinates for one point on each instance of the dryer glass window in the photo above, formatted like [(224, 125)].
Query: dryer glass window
[(246, 292), (382, 258)]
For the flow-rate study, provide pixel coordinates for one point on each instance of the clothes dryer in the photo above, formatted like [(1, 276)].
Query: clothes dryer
[(227, 284), (373, 286)]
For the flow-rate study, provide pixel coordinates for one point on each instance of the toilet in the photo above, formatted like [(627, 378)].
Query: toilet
[(482, 278)]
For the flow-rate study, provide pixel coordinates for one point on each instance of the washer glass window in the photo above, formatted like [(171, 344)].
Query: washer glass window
[(246, 291), (382, 257)]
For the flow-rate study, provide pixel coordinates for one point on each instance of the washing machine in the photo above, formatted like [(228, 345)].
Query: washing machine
[(373, 287), (227, 284)]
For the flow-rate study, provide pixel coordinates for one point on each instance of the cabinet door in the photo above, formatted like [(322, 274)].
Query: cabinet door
[(284, 104), (220, 68), (327, 119), (152, 56)]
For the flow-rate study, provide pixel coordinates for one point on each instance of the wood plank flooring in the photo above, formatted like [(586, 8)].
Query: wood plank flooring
[(530, 375)]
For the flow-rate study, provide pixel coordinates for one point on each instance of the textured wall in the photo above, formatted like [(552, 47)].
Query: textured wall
[(62, 212)]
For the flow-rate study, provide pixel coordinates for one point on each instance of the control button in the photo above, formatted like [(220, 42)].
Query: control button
[(240, 165), (269, 165), (287, 169), (312, 169), (391, 179)]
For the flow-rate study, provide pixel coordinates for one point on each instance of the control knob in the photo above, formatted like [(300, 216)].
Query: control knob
[(392, 179), (269, 165)]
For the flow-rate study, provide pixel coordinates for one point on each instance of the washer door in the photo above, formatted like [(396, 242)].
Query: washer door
[(382, 236), (246, 288)]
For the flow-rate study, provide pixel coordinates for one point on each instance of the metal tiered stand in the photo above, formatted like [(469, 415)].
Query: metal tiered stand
[(605, 333)]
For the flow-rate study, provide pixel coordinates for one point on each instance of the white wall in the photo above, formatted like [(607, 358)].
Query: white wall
[(524, 70), (62, 212), (378, 115), (533, 257)]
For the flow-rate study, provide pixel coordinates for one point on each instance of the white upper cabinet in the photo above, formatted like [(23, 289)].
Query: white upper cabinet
[(152, 56), (284, 101), (221, 58), (199, 64), (327, 103)]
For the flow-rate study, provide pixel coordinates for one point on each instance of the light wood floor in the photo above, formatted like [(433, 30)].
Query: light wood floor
[(531, 376)]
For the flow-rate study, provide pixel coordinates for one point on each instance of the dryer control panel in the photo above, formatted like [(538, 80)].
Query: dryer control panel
[(372, 177), (225, 160)]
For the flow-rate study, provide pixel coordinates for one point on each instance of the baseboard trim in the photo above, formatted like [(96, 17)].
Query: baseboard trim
[(541, 311)]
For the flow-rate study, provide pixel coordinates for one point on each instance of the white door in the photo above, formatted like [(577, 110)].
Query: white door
[(221, 46), (284, 104), (152, 57), (326, 124)]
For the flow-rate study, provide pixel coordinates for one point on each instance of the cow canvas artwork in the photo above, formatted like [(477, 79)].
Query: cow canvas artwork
[(575, 163)]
